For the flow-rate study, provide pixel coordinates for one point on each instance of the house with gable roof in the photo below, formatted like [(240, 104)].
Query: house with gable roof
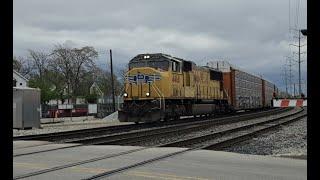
[(19, 80)]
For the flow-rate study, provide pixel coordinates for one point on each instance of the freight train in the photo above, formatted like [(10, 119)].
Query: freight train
[(162, 87)]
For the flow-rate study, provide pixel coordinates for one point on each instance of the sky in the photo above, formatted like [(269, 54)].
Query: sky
[(253, 35)]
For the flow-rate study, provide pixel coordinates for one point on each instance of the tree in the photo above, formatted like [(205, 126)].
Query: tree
[(103, 79), (40, 61), (73, 64), (16, 64), (58, 85), (92, 98), (22, 65), (120, 84), (47, 93), (65, 72)]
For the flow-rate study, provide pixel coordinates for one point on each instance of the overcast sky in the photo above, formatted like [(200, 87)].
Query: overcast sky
[(251, 34)]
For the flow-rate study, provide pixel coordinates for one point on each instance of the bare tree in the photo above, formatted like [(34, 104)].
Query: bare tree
[(40, 61), (22, 65), (83, 62), (61, 58), (73, 64), (122, 73)]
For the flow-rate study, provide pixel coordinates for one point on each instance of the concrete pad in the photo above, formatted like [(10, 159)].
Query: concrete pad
[(20, 144), (112, 117), (35, 162), (205, 164), (40, 147), (202, 164)]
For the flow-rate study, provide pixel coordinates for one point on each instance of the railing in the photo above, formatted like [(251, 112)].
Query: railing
[(162, 99)]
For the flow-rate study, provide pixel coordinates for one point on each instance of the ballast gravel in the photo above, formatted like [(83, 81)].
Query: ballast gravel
[(168, 138), (289, 141)]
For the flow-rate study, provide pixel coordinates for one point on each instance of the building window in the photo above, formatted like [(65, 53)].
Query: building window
[(20, 84), (176, 67)]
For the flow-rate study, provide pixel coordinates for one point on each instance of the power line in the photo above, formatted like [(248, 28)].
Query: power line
[(292, 36)]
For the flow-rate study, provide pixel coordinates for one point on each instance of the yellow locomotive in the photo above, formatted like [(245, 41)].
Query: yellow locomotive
[(160, 87)]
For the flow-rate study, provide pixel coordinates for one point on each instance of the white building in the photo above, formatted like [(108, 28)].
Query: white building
[(19, 80)]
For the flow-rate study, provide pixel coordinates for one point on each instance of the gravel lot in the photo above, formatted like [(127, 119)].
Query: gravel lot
[(289, 141)]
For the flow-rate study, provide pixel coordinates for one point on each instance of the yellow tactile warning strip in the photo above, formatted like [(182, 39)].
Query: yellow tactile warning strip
[(101, 170), (162, 176)]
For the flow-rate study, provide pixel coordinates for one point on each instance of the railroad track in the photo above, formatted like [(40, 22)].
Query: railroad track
[(226, 137), (247, 131), (127, 137), (58, 136), (142, 135), (132, 137)]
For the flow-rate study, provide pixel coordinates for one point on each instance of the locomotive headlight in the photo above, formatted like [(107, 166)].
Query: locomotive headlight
[(125, 95), (147, 94)]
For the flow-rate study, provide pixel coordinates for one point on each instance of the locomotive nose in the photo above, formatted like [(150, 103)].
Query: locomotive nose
[(143, 83), (143, 75)]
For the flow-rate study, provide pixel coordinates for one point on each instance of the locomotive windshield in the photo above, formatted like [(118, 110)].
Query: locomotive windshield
[(162, 65)]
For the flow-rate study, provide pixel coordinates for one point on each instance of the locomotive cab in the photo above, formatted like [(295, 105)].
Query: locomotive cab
[(150, 76), (156, 62), (159, 62)]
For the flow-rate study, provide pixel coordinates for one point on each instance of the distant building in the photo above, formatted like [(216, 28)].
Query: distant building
[(19, 80)]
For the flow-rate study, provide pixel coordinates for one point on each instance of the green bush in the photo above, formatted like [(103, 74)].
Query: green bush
[(91, 98)]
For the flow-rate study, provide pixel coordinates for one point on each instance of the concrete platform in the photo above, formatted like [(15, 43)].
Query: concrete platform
[(26, 144), (201, 164)]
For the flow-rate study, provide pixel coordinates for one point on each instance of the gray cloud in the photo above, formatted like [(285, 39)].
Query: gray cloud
[(251, 34)]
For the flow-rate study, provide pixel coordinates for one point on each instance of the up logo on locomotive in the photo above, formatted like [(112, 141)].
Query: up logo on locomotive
[(143, 78)]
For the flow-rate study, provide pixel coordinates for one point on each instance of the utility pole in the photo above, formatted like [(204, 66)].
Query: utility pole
[(112, 83), (290, 73), (299, 54), (286, 79), (299, 66)]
